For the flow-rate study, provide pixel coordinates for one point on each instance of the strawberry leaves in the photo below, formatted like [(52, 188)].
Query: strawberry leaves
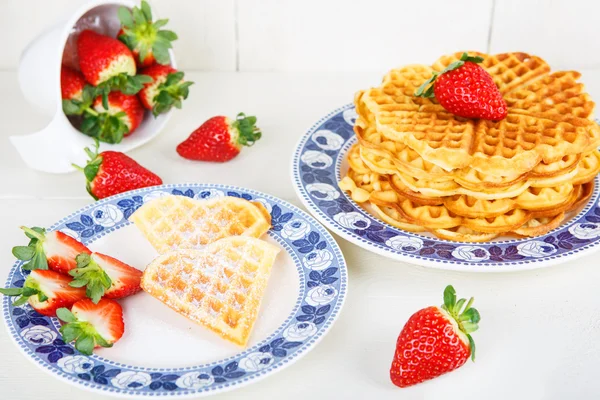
[(106, 127), (123, 83), (83, 333), (170, 93), (30, 288), (34, 252), (247, 131), (78, 107), (89, 274), (467, 318), (143, 36), (426, 89)]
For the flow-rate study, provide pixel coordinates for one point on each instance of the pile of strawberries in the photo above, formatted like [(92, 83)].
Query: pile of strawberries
[(121, 77), (78, 286)]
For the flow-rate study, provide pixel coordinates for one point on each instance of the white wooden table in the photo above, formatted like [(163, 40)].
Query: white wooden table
[(539, 336)]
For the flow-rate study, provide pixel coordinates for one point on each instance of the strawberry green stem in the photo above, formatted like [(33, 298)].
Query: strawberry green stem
[(421, 92), (466, 318), (248, 132), (33, 233)]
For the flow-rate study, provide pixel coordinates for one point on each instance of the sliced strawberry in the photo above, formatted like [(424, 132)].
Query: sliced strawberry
[(92, 325), (54, 250), (113, 172), (108, 64), (166, 91), (46, 291), (143, 37), (104, 276), (220, 139)]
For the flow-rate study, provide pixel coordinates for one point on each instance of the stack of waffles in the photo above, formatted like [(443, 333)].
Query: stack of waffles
[(212, 269), (421, 168)]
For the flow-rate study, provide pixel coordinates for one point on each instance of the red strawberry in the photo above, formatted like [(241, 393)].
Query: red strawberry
[(71, 83), (46, 291), (104, 276), (435, 340), (113, 172), (108, 64), (107, 119), (92, 325), (220, 139), (54, 250), (467, 90), (167, 90), (147, 41)]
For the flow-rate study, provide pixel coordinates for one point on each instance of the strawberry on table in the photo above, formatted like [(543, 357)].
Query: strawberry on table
[(92, 325), (46, 291), (220, 139), (467, 90), (105, 276), (112, 172), (166, 91), (108, 64), (434, 341), (144, 38), (54, 250)]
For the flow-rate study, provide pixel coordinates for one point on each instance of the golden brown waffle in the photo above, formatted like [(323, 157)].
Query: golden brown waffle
[(220, 286), (530, 133), (178, 222), (534, 212)]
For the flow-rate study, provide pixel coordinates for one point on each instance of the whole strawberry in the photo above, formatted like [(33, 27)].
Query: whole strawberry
[(108, 64), (166, 91), (467, 90), (112, 172), (148, 42), (434, 341), (119, 118), (220, 139)]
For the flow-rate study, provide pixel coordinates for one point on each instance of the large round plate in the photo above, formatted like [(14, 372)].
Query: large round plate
[(164, 354), (317, 165)]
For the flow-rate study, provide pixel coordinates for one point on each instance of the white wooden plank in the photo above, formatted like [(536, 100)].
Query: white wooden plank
[(564, 33), (339, 35), (206, 29)]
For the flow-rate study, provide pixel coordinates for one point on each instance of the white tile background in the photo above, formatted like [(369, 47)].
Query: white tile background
[(342, 35)]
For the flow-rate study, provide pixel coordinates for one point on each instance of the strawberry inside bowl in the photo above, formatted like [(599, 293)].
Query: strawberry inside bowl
[(104, 91)]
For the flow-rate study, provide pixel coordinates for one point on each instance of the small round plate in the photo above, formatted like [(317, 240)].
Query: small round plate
[(318, 164), (164, 354)]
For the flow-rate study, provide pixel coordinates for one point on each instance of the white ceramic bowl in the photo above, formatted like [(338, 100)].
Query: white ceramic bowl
[(58, 145)]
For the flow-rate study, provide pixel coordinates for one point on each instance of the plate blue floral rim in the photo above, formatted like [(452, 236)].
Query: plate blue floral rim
[(316, 170), (323, 288)]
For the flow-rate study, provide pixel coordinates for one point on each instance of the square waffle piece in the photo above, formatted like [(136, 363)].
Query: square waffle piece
[(220, 286), (178, 222)]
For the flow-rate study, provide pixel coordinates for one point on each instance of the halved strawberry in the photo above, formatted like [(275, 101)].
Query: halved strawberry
[(108, 64), (46, 291), (92, 325), (54, 250), (105, 276), (143, 37), (166, 91)]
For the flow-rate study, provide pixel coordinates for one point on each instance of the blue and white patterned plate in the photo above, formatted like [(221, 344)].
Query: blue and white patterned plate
[(317, 165), (163, 354)]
